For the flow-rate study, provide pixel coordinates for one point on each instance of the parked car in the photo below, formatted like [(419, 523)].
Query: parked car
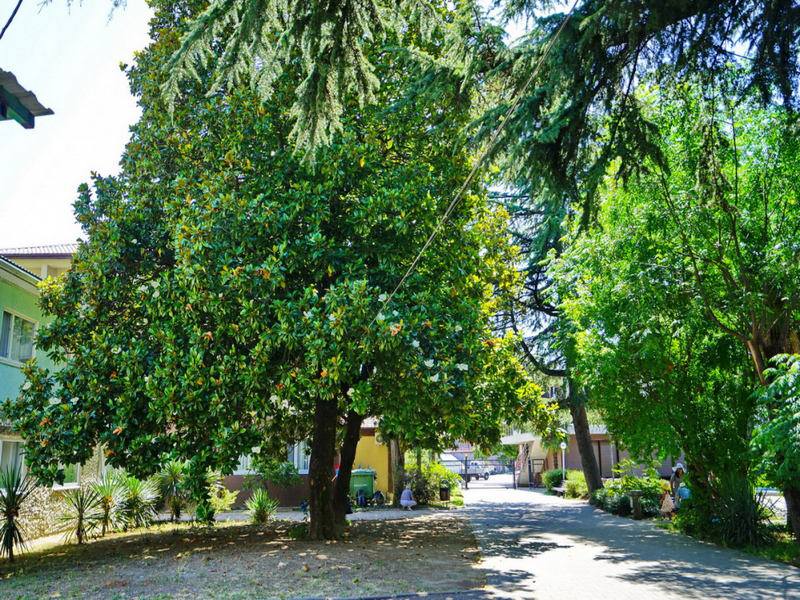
[(475, 469)]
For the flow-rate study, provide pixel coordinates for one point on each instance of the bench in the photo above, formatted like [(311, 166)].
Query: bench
[(560, 490)]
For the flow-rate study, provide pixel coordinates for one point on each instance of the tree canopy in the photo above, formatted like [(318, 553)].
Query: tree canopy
[(592, 68), (690, 275), (230, 298)]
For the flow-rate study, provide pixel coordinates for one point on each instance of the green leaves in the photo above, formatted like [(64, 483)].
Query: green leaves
[(225, 286), (775, 437), (679, 286)]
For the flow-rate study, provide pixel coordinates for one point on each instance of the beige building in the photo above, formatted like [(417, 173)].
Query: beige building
[(534, 458), (42, 261)]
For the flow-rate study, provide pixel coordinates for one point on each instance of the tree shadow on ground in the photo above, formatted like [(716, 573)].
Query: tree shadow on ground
[(637, 552)]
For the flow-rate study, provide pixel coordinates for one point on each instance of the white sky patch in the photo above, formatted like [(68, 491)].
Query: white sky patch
[(70, 59)]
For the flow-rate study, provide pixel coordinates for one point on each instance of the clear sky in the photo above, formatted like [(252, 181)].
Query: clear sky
[(70, 59)]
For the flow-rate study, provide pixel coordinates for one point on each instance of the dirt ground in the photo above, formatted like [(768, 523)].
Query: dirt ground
[(434, 552)]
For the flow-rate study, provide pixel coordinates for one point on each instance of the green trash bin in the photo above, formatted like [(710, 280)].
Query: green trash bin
[(362, 479)]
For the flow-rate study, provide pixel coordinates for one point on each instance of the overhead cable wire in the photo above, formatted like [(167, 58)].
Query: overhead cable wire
[(492, 141), (11, 18)]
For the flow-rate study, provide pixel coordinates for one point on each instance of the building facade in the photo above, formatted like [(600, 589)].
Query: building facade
[(535, 458), (19, 321)]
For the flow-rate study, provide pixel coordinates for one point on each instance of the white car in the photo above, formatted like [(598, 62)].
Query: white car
[(475, 470)]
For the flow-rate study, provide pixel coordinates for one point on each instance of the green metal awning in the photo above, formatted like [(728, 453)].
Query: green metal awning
[(17, 103)]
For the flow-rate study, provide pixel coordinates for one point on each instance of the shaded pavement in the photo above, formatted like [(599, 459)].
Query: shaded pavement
[(538, 546)]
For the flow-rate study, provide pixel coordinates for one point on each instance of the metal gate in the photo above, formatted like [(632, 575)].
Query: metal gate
[(535, 468), (484, 472)]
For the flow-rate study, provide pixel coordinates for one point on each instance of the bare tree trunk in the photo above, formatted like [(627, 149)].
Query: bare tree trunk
[(347, 455), (320, 471), (398, 470), (583, 435), (753, 348), (792, 497)]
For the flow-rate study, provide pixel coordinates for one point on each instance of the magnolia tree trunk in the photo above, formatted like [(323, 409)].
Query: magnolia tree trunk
[(320, 471), (591, 470), (398, 470), (347, 455)]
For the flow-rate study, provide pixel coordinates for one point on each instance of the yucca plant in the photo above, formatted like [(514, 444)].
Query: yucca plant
[(83, 513), (110, 492), (743, 518), (14, 491), (260, 506), (170, 482), (138, 502)]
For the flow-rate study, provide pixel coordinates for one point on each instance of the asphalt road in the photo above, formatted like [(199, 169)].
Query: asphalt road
[(543, 547)]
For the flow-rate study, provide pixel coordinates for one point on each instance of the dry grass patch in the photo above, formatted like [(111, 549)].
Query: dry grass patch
[(431, 553)]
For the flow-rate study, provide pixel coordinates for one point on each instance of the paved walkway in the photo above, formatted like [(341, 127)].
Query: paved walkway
[(542, 547)]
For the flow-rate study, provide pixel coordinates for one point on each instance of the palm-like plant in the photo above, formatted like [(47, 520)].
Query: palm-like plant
[(83, 513), (14, 491), (171, 488), (260, 506), (110, 492), (139, 502)]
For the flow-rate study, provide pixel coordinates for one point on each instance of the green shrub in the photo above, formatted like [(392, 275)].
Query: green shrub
[(743, 519), (138, 506), (733, 516), (82, 514), (222, 499), (425, 482), (576, 485), (110, 493), (614, 498), (14, 492), (696, 518), (553, 478), (204, 513), (171, 485), (260, 506)]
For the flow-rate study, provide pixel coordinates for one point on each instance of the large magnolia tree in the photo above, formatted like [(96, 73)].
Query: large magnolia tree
[(230, 298), (575, 73)]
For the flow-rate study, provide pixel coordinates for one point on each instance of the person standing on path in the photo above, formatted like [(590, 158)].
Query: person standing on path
[(677, 476)]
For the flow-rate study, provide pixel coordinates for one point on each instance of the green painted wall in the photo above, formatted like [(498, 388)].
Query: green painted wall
[(18, 294)]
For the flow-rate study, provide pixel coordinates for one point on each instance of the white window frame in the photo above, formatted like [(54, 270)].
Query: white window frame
[(298, 455), (24, 470), (243, 466), (16, 315), (10, 440), (69, 485)]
